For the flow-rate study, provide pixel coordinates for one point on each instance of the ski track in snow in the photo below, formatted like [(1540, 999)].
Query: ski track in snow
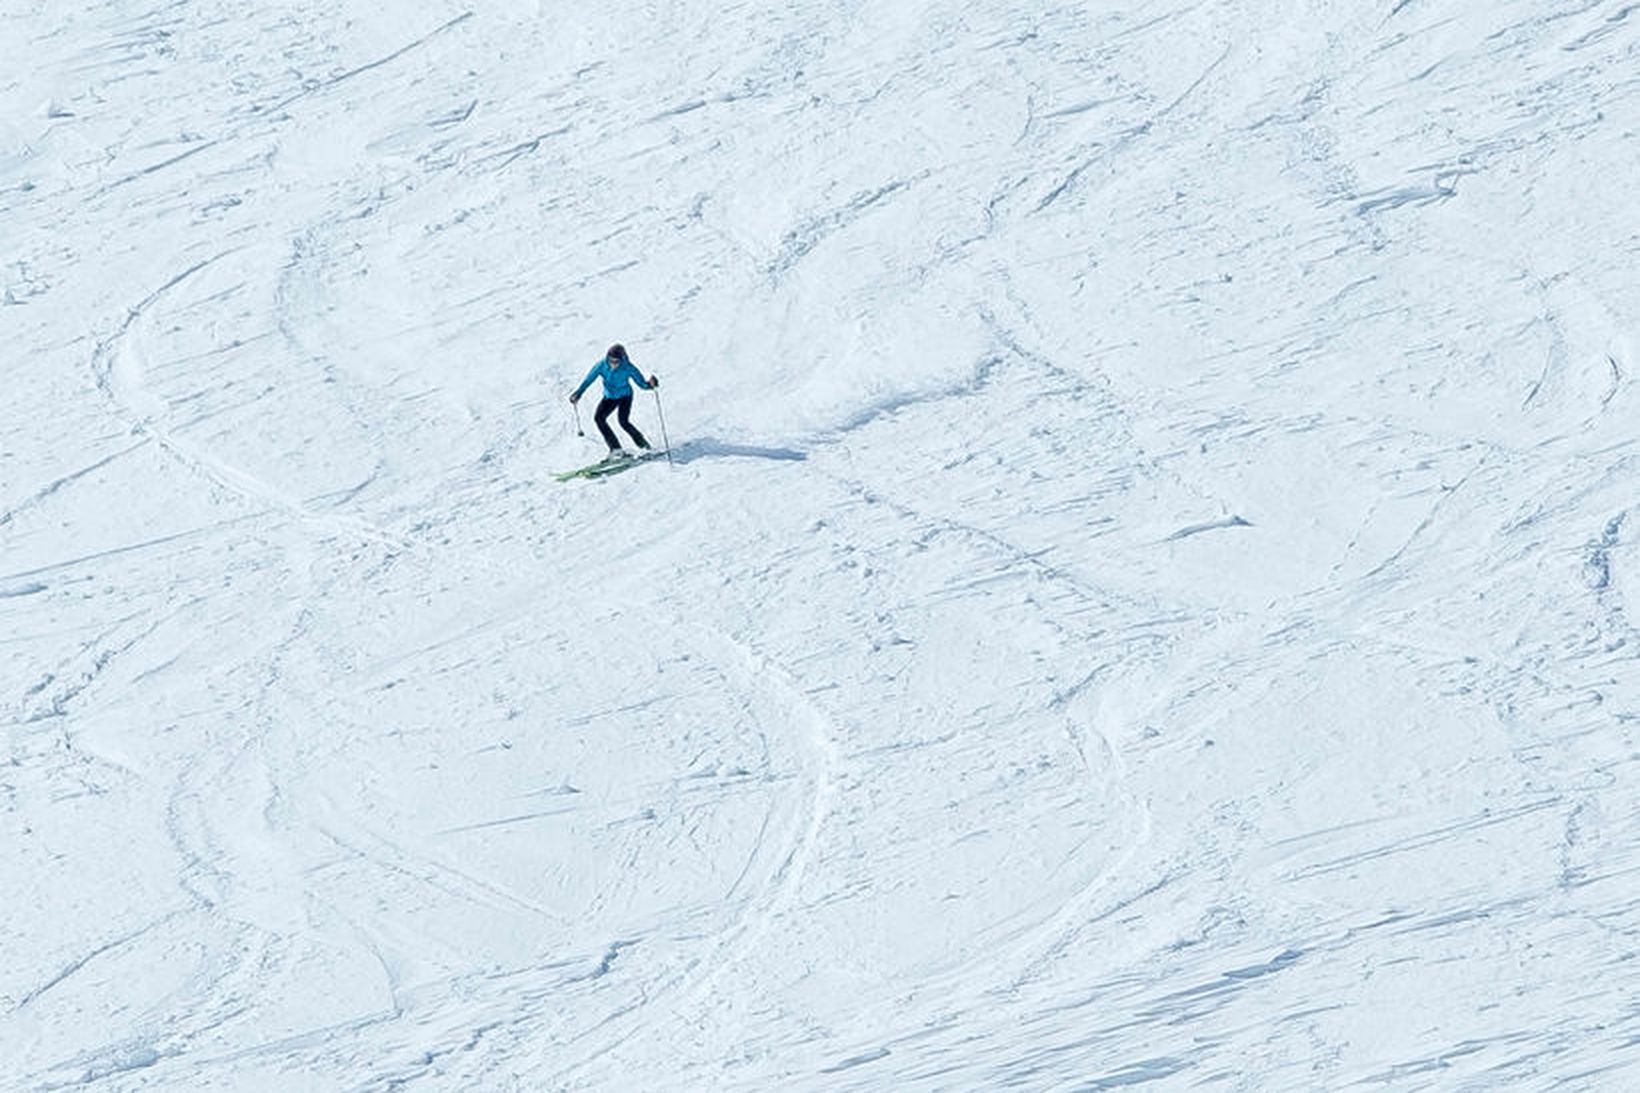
[(770, 899), (1142, 594)]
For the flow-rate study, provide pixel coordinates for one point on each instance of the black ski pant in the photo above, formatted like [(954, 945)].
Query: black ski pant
[(622, 409)]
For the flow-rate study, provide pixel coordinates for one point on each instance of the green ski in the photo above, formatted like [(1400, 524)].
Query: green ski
[(609, 465)]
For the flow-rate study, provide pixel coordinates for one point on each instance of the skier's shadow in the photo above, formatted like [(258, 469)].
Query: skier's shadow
[(712, 448)]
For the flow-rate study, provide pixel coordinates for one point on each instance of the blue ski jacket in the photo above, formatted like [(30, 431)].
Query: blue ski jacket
[(618, 378)]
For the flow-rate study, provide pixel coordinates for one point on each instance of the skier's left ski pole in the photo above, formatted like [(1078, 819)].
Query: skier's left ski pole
[(662, 413), (576, 407)]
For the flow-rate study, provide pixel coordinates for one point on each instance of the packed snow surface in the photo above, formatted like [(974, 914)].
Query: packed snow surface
[(1143, 591)]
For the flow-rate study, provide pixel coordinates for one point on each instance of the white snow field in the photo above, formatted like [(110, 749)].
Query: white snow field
[(1144, 591)]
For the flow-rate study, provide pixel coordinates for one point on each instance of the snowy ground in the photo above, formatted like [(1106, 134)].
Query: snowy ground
[(1145, 591)]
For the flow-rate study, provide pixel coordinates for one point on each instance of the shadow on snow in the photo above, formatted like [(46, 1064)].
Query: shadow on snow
[(713, 448)]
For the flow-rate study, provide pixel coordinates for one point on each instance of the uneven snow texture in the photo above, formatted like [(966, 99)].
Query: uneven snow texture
[(1144, 591)]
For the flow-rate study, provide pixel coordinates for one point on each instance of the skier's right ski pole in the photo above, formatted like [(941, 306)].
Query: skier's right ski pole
[(577, 408), (664, 438)]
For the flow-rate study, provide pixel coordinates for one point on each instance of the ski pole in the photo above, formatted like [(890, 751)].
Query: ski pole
[(577, 408), (662, 413)]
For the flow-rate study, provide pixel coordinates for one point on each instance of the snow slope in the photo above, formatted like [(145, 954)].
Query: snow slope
[(1144, 592)]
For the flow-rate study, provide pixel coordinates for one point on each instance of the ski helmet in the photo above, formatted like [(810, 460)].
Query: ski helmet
[(617, 352)]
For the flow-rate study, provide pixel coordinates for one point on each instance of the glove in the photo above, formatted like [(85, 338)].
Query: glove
[(654, 381), (573, 399)]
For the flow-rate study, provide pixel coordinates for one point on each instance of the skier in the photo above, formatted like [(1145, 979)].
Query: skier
[(619, 374)]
